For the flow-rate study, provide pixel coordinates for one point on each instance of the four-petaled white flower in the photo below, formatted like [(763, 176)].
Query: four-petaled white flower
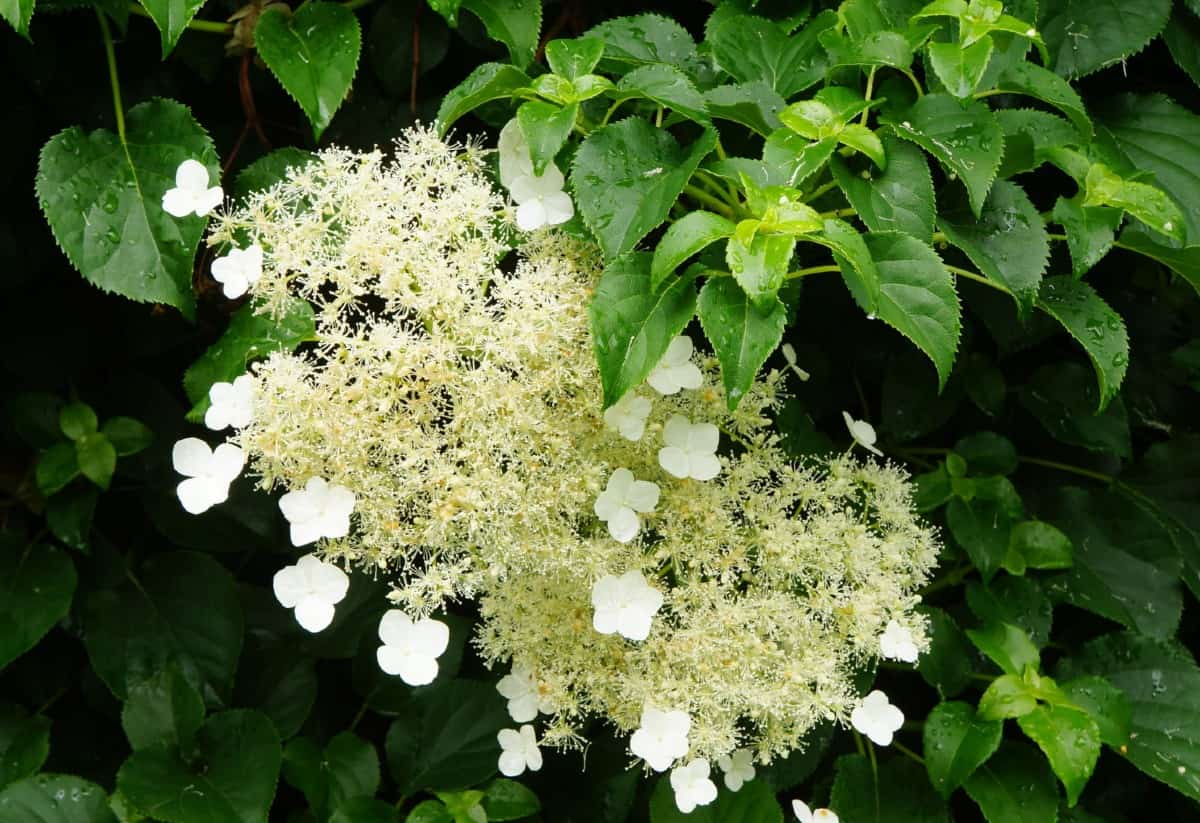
[(691, 449), (806, 815), (862, 432), (515, 160), (518, 751), (312, 588), (541, 200), (230, 404), (676, 370), (192, 194), (237, 270), (877, 718), (628, 416), (625, 605), (411, 649), (662, 737), (738, 768), (520, 688), (692, 786), (789, 354), (318, 510), (896, 643), (209, 472), (620, 501)]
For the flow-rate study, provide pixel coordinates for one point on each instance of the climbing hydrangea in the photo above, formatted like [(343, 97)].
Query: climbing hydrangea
[(452, 399)]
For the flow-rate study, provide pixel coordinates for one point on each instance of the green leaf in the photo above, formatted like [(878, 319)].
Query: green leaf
[(853, 256), (685, 237), (162, 710), (792, 159), (1090, 231), (248, 337), (1007, 646), (37, 583), (429, 811), (788, 772), (626, 177), (18, 13), (741, 334), (667, 86), (1071, 741), (1015, 784), (77, 420), (987, 453), (761, 266), (1007, 696), (1039, 545), (515, 23), (960, 69), (97, 458), (277, 681), (900, 198), (1034, 81), (917, 297), (1154, 132), (313, 53), (1144, 202), (754, 105), (102, 196), (632, 325), (901, 792), (964, 136), (1016, 600), (546, 128), (1125, 563), (1063, 398), (1185, 262), (446, 736), (753, 49), (491, 81), (231, 778), (956, 743), (24, 743), (128, 436), (862, 139), (753, 803), (1182, 36), (56, 467), (1086, 35), (879, 48), (505, 799), (269, 169), (53, 798), (635, 41), (347, 768), (172, 18), (574, 58), (980, 525), (1007, 242), (947, 665), (1094, 325), (1162, 683), (185, 611), (364, 810), (1107, 705)]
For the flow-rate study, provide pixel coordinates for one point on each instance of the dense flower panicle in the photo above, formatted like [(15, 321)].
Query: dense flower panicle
[(453, 391)]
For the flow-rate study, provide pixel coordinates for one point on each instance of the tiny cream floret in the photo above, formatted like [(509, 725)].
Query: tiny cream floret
[(311, 587), (411, 648), (238, 270), (191, 194), (877, 718), (209, 472), (320, 509), (676, 370), (518, 751), (692, 786), (662, 737), (231, 405), (618, 505), (625, 605)]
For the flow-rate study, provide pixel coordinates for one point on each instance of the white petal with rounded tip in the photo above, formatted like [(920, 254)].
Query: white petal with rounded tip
[(394, 626), (191, 456), (208, 200), (330, 583), (531, 215), (227, 461), (623, 525), (191, 175), (606, 506), (674, 461), (289, 585), (676, 431), (314, 613), (559, 208), (634, 624), (620, 482), (688, 376), (642, 496), (431, 637), (305, 532), (177, 202), (704, 466), (703, 437), (679, 350), (802, 811), (511, 764), (198, 494)]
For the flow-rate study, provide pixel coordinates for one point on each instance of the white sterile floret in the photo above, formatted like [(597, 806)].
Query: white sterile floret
[(411, 649), (628, 416), (625, 605), (230, 404), (789, 354), (541, 200), (806, 815), (862, 432), (691, 449), (518, 751), (520, 688), (692, 786), (896, 643), (312, 588), (620, 501), (513, 149), (676, 370), (209, 472), (662, 737), (238, 270), (738, 768), (192, 194), (877, 718), (318, 510)]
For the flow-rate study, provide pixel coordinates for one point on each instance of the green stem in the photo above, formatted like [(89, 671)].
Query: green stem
[(916, 83), (611, 110), (210, 26), (819, 190), (1066, 467), (978, 278), (114, 81), (792, 275), (849, 211), (720, 206), (907, 752), (867, 94)]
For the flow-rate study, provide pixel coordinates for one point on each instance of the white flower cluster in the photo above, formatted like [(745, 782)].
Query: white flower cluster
[(540, 198)]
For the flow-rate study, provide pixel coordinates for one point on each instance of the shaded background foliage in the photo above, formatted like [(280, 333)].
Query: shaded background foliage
[(70, 696)]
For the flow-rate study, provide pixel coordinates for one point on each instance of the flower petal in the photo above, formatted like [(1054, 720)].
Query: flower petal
[(178, 202), (329, 582), (290, 584), (559, 209), (510, 763), (394, 627), (227, 462), (703, 438), (674, 461), (418, 670), (643, 496), (192, 175), (199, 494), (704, 466), (623, 526), (191, 456), (531, 215), (430, 637), (314, 613), (676, 431)]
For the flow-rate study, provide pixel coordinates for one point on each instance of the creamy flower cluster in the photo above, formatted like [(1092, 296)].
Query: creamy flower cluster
[(661, 564)]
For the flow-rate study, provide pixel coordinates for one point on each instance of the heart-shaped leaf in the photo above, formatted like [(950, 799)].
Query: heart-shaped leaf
[(314, 55), (102, 195), (957, 742)]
